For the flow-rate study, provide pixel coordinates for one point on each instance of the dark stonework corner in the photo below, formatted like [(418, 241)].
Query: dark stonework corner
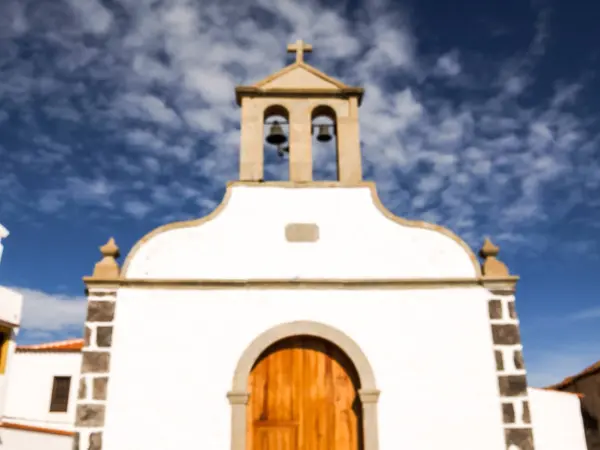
[(95, 362), (95, 441), (521, 437), (526, 413), (499, 360), (104, 336), (82, 389), (506, 334), (87, 336), (100, 385), (75, 441), (101, 311), (495, 309), (508, 413), (512, 385), (518, 359), (90, 416), (512, 312)]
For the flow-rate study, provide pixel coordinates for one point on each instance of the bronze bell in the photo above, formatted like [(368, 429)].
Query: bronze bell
[(276, 136), (323, 135)]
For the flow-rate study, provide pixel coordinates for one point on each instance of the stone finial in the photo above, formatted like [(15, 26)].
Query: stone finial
[(491, 266), (107, 267)]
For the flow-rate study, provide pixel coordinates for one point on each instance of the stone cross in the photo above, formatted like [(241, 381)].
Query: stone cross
[(299, 48)]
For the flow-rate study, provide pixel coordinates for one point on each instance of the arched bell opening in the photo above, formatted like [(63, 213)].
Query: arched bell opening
[(276, 146), (325, 144)]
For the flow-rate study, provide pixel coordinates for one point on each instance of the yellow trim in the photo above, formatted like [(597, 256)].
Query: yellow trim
[(4, 348)]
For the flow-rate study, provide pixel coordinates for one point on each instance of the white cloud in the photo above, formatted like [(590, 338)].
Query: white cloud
[(147, 107), (214, 86), (408, 108), (545, 367), (13, 21), (168, 111), (94, 17), (586, 314), (145, 139), (448, 64), (515, 85), (204, 119), (43, 312), (137, 209), (565, 95)]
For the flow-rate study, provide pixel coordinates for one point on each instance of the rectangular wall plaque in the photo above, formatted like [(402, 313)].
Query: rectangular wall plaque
[(302, 232)]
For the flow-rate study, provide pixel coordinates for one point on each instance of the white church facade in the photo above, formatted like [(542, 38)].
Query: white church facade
[(303, 315)]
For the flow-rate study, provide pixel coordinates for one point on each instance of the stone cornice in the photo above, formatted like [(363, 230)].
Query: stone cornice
[(505, 284)]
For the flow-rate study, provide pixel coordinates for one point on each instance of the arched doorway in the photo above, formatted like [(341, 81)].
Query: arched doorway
[(239, 396), (303, 396)]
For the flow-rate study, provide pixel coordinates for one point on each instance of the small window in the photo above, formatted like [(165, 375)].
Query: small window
[(4, 343), (60, 394)]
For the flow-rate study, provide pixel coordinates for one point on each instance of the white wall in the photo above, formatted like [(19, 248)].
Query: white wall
[(174, 355), (27, 440), (31, 377), (246, 240), (10, 312), (11, 303), (557, 420), (5, 378)]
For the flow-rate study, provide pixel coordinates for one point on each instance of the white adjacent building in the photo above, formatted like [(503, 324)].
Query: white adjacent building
[(300, 315), (10, 319), (38, 383), (39, 408)]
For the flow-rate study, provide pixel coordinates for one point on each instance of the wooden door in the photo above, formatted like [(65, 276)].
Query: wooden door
[(303, 396)]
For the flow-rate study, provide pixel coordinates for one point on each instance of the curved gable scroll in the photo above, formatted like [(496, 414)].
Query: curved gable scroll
[(173, 226), (427, 226)]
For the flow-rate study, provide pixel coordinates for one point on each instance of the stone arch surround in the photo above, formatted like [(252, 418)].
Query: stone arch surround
[(368, 393)]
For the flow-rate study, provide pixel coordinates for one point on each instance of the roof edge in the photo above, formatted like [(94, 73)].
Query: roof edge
[(67, 345), (590, 370), (35, 429)]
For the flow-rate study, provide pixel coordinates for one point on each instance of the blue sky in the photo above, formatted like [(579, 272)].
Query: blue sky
[(119, 116)]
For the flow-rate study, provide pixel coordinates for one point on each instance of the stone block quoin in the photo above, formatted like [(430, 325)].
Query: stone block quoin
[(512, 377), (508, 354), (95, 370)]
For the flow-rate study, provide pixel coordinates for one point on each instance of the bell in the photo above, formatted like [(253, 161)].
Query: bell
[(276, 136), (323, 135)]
